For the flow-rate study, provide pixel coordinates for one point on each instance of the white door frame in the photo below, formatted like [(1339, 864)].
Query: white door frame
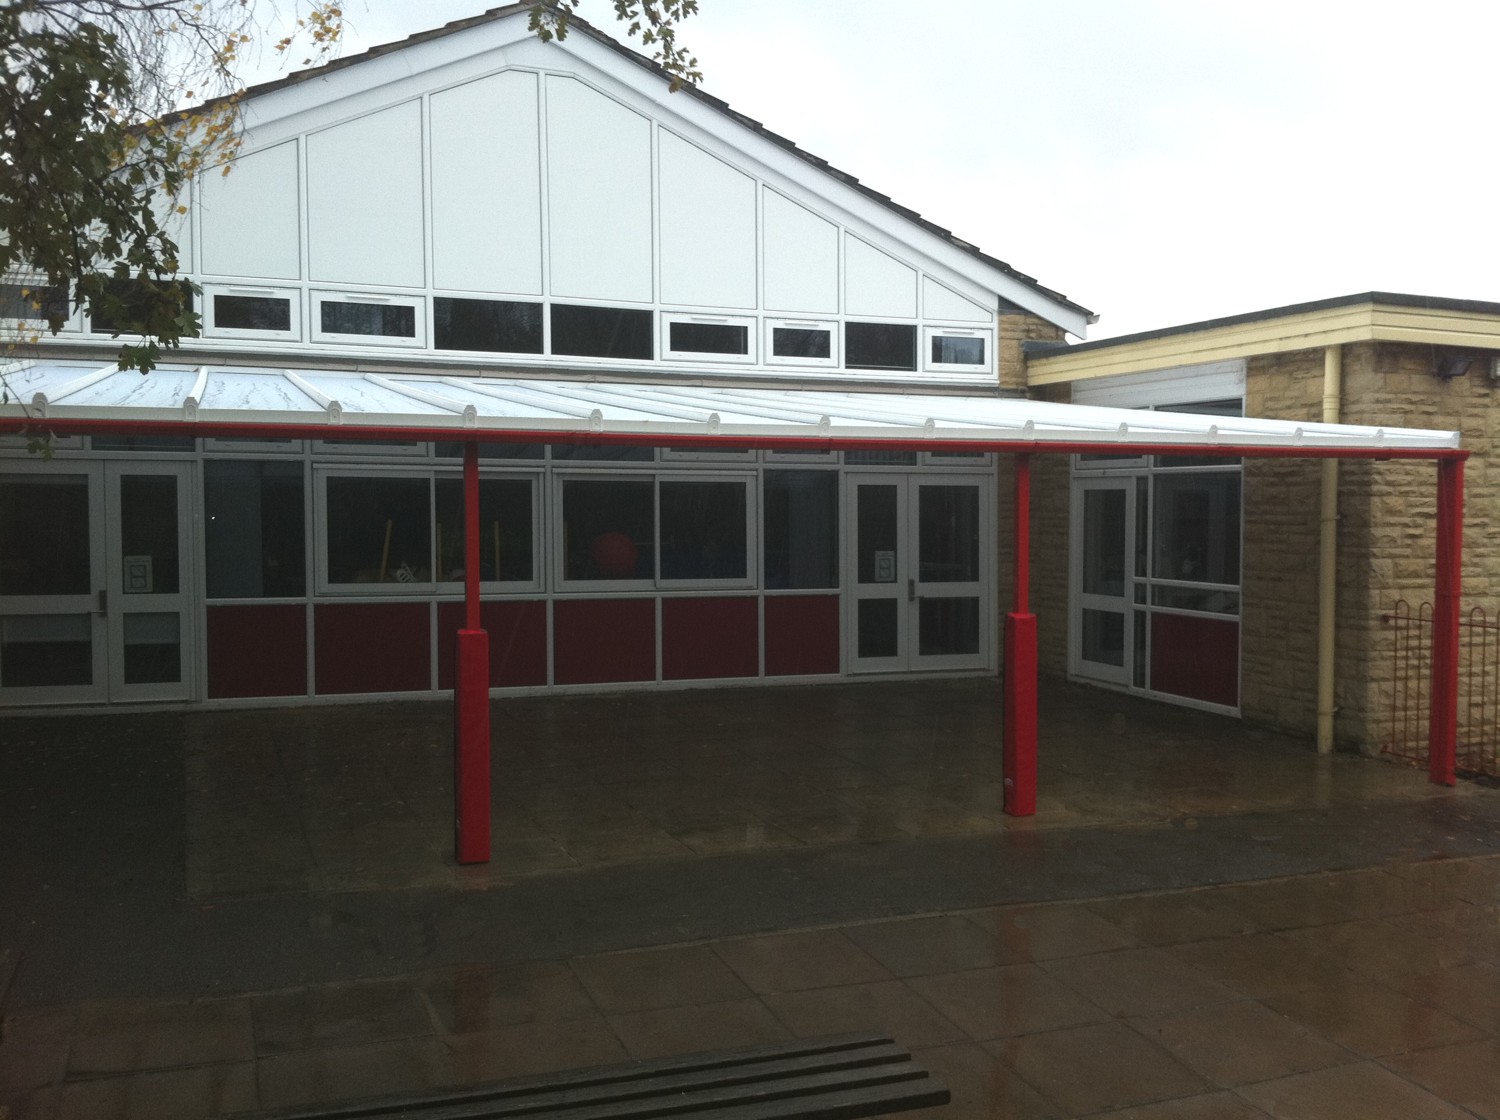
[(1107, 602), (902, 581)]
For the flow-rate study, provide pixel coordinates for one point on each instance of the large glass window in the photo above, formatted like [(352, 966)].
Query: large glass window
[(506, 528), (1196, 530), (601, 332), (703, 530), (491, 325), (254, 535), (379, 529), (880, 346), (801, 511), (609, 529)]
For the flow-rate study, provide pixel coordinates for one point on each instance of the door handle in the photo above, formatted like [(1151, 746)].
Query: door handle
[(911, 591), (103, 607)]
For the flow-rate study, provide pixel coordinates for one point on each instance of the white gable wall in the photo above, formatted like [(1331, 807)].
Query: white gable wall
[(476, 173)]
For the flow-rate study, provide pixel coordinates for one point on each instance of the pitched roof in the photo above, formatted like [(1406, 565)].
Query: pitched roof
[(723, 107)]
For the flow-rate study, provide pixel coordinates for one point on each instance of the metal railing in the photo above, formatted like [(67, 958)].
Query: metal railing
[(1411, 684)]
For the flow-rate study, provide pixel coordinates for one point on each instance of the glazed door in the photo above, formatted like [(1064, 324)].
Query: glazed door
[(147, 600), (1099, 639), (95, 584), (53, 641), (920, 556)]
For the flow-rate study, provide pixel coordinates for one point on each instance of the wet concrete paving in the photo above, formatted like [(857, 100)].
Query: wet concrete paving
[(208, 912)]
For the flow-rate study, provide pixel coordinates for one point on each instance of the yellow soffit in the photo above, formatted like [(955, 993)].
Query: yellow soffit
[(1334, 326)]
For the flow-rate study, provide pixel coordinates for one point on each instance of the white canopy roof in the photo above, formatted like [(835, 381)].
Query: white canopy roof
[(441, 405)]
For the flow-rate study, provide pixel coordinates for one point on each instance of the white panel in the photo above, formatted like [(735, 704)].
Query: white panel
[(364, 199), (486, 186), (876, 283), (801, 258), (177, 224), (599, 195), (939, 302), (707, 228), (249, 218)]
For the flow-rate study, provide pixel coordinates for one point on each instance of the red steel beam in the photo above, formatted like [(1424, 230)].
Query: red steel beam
[(1019, 750), (1442, 726), (471, 694)]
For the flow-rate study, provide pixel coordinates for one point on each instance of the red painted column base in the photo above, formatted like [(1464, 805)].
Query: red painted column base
[(471, 747), (1020, 715)]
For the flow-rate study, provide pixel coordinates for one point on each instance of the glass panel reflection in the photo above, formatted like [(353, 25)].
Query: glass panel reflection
[(1104, 542), (153, 648), (42, 650), (50, 513), (1104, 637), (877, 533), (948, 534), (878, 628), (148, 534), (948, 626)]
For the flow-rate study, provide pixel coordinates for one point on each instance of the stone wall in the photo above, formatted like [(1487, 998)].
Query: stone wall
[(1015, 329)]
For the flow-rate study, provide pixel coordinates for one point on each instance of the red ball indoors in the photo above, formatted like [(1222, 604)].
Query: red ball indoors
[(614, 554)]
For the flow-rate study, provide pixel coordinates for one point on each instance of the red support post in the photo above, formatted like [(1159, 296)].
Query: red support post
[(471, 694), (1020, 664), (1442, 727)]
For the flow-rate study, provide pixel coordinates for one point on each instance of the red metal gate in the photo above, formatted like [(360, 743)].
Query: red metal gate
[(1411, 681)]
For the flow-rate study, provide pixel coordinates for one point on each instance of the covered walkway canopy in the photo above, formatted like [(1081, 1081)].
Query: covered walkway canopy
[(66, 397)]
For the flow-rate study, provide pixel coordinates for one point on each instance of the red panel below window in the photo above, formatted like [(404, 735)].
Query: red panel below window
[(802, 635), (372, 647), (1197, 658), (709, 639), (596, 641), (257, 651), (518, 642)]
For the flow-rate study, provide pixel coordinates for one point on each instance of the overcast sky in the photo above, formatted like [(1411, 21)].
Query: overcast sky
[(1158, 161)]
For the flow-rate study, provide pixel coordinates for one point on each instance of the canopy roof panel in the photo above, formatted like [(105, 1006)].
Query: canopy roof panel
[(329, 404)]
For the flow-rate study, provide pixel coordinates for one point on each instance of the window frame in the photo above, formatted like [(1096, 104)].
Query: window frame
[(930, 333), (749, 480), (294, 302), (72, 324), (536, 584), (668, 318), (322, 585), (834, 349), (316, 333)]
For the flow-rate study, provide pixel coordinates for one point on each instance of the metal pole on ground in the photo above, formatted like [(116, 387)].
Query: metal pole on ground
[(1020, 663), (471, 693)]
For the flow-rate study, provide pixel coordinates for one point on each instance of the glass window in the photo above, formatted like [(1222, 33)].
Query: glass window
[(46, 650), (802, 342), (947, 533), (143, 443), (1197, 527), (252, 313), (609, 529), (881, 458), (127, 302), (149, 558), (956, 350), (490, 325), (44, 522), (379, 529), (33, 302), (383, 320), (601, 332), (801, 510), (880, 346), (708, 338), (703, 530), (506, 553), (254, 534)]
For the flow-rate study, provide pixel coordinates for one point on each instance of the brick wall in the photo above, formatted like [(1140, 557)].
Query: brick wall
[(1015, 329)]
